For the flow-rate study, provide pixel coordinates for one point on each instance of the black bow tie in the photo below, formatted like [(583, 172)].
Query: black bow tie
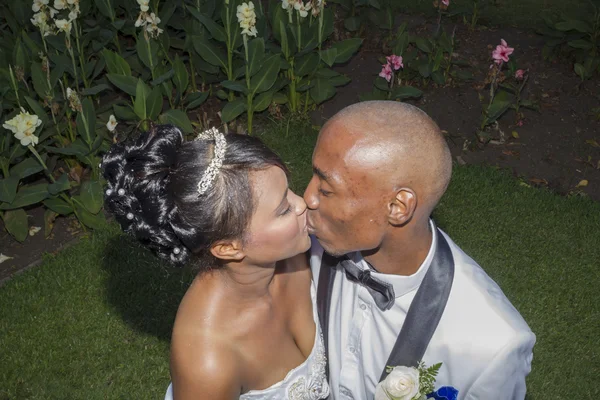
[(382, 292)]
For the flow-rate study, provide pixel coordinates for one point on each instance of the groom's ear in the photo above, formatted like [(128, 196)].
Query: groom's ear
[(402, 207), (228, 250)]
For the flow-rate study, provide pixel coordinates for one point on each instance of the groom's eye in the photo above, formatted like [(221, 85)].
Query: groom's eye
[(324, 192)]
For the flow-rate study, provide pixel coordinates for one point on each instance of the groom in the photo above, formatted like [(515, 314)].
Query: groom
[(394, 290)]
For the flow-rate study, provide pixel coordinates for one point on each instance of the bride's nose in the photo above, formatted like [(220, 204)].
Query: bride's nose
[(299, 204)]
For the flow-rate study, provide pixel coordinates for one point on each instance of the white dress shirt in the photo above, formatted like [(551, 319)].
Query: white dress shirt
[(482, 340)]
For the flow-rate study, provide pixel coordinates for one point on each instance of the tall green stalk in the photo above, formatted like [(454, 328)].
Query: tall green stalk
[(249, 97)]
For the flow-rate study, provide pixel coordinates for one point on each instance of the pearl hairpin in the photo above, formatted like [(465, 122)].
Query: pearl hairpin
[(109, 192), (121, 192), (176, 250), (129, 216)]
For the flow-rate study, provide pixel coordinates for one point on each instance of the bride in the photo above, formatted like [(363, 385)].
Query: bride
[(247, 326)]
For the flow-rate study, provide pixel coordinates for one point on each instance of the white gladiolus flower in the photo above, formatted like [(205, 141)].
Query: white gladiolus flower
[(151, 24), (302, 8), (141, 20), (401, 384), (64, 26), (23, 126), (73, 15), (247, 18), (112, 123), (288, 4), (144, 5), (60, 4), (40, 21), (39, 4)]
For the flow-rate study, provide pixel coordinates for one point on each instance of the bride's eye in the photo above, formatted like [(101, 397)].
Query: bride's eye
[(287, 211)]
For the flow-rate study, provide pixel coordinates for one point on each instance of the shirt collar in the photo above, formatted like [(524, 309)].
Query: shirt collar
[(402, 284)]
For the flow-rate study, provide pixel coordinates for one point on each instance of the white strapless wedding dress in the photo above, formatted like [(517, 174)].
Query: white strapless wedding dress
[(308, 381)]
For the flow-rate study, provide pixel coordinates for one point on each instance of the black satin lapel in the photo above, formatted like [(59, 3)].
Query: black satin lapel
[(324, 289), (426, 309)]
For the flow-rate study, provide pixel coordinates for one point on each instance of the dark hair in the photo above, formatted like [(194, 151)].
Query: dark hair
[(152, 191)]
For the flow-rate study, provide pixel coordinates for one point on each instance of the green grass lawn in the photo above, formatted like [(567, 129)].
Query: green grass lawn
[(94, 321)]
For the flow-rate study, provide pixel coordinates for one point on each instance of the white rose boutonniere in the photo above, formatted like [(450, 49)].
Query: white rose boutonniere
[(401, 384), (410, 383)]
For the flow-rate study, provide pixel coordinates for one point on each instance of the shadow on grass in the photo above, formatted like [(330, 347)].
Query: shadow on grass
[(142, 289)]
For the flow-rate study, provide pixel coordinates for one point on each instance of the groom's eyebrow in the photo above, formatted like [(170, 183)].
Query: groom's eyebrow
[(321, 174)]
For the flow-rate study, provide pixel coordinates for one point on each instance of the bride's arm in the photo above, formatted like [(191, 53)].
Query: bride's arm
[(204, 372)]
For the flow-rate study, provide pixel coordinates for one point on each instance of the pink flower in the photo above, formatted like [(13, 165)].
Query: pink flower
[(519, 74), (386, 72), (395, 61), (502, 51), (520, 123), (446, 2)]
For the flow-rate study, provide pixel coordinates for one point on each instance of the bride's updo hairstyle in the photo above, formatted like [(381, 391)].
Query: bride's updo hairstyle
[(152, 190)]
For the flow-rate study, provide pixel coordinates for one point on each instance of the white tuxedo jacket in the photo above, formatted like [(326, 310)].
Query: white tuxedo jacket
[(482, 340)]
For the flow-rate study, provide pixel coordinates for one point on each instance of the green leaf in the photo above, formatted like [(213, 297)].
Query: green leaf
[(285, 43), (210, 53), (424, 44), (139, 105), (573, 24), (16, 224), (27, 196), (115, 64), (147, 51), (163, 78), (39, 78), (77, 148), (306, 64), (352, 24), (8, 188), (328, 56), (262, 101), (27, 167), (124, 113), (346, 48), (215, 29), (104, 9), (196, 99), (37, 109), (181, 77), (340, 80), (179, 119), (127, 84), (406, 92), (438, 77), (60, 185), (322, 90), (425, 69), (94, 221), (464, 75), (580, 44), (381, 84), (280, 98), (580, 71), (238, 86), (91, 196), (232, 110), (256, 55), (94, 90), (498, 107), (266, 76), (86, 121), (49, 217), (154, 103), (58, 205)]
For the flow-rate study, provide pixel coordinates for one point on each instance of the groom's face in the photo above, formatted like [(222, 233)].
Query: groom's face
[(346, 205)]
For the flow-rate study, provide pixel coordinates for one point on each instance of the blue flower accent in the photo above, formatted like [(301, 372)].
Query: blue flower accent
[(444, 393)]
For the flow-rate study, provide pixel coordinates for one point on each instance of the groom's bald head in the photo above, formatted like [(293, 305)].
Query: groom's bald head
[(376, 164), (402, 142)]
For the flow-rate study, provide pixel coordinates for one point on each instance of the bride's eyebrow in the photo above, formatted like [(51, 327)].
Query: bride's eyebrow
[(280, 206)]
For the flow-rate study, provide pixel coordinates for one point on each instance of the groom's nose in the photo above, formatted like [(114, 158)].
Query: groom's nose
[(311, 194)]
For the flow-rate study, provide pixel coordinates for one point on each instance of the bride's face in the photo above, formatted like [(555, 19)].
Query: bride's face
[(278, 227)]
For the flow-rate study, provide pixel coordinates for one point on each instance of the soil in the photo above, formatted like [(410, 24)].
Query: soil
[(556, 147)]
